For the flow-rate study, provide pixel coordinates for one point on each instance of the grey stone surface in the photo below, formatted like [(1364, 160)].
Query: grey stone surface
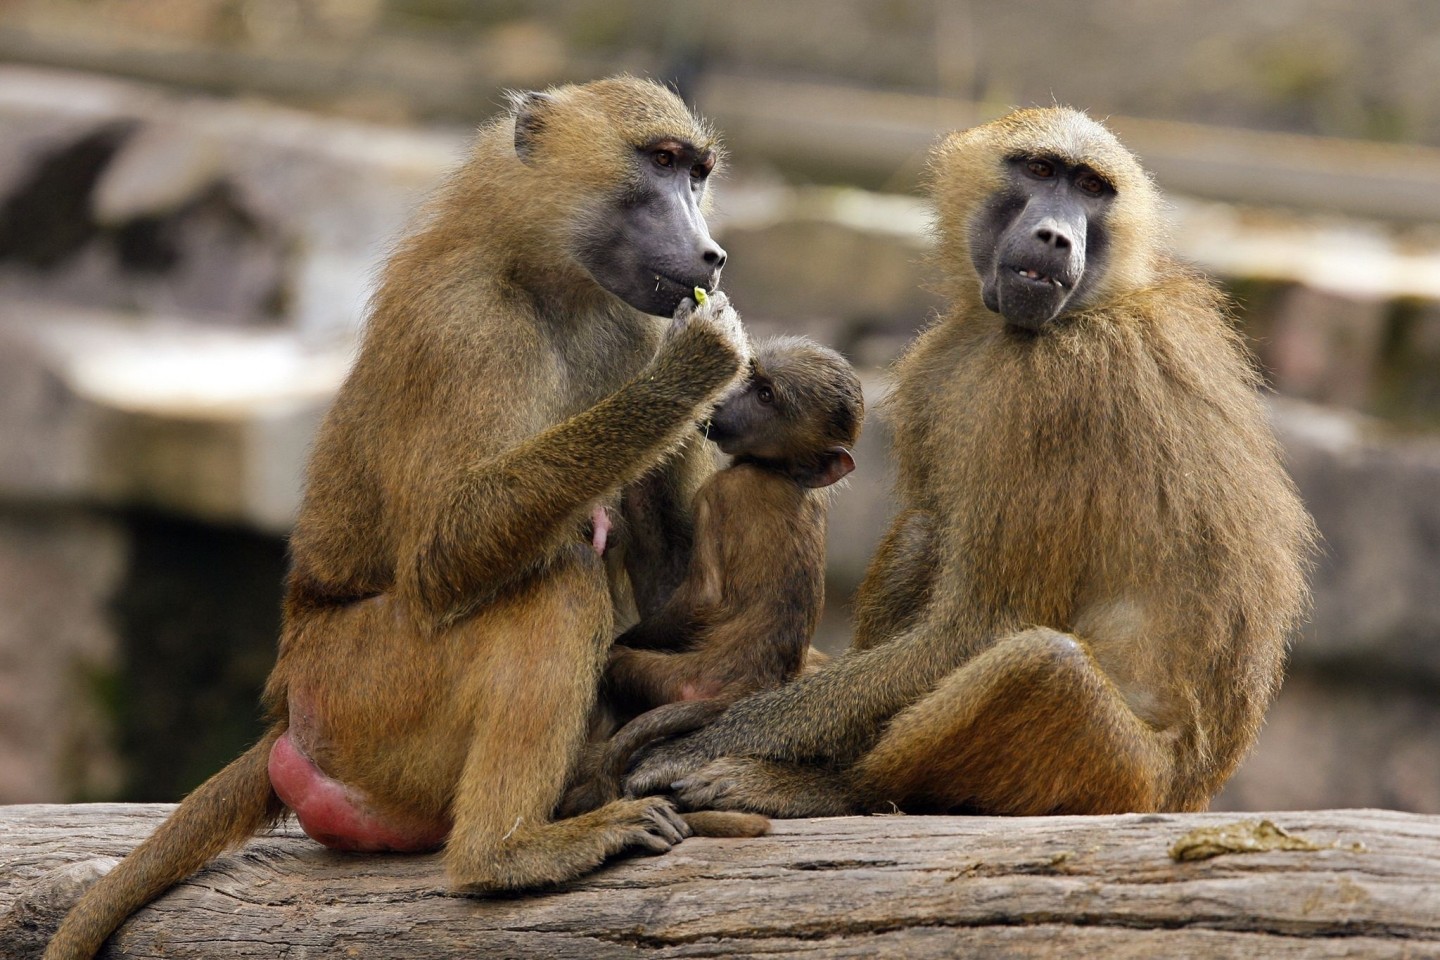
[(844, 265), (58, 573), (225, 211), (1376, 499), (1332, 739), (203, 422), (1325, 347), (1325, 66)]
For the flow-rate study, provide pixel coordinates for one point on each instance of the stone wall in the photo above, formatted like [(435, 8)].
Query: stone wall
[(181, 282)]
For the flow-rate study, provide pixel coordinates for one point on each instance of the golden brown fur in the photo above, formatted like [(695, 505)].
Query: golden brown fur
[(1084, 602), (447, 619), (742, 619)]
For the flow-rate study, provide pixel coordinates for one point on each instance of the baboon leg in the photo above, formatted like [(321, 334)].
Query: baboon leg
[(640, 680), (538, 686), (897, 583), (1031, 726), (540, 853)]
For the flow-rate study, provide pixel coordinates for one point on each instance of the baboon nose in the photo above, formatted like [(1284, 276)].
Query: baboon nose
[(714, 256), (1053, 238)]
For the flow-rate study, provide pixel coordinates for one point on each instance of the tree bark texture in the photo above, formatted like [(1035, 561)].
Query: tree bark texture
[(1339, 883)]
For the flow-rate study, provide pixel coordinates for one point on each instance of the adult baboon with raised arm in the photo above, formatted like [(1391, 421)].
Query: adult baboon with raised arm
[(1083, 604), (449, 608)]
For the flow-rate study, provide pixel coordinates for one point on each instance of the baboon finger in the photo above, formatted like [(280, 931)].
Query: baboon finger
[(668, 822)]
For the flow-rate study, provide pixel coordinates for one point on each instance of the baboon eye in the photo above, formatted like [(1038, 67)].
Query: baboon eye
[(702, 168), (764, 394), (1091, 184), (664, 158), (1043, 169)]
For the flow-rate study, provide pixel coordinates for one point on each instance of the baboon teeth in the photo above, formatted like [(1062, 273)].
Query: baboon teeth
[(1035, 276)]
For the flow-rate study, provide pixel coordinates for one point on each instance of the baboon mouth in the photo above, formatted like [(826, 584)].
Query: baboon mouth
[(716, 432), (1031, 275), (656, 293), (663, 281)]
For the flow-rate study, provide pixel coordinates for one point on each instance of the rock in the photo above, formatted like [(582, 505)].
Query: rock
[(855, 887), (842, 265), (1373, 496), (208, 423), (1325, 347), (222, 211), (59, 570), (1343, 738)]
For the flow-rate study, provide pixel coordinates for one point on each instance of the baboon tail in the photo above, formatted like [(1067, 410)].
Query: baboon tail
[(726, 823), (222, 812)]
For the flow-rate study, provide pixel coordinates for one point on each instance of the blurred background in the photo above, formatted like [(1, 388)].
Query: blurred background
[(195, 195)]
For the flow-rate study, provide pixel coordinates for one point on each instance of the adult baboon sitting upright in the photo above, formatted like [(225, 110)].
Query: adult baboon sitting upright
[(449, 608), (1083, 604)]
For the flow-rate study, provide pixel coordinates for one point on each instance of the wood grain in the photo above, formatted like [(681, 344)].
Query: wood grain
[(851, 887)]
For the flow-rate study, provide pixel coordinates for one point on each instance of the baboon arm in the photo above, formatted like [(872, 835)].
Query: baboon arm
[(666, 720), (639, 680), (659, 525), (506, 514), (596, 778), (780, 789), (831, 716), (897, 583), (673, 628), (691, 605)]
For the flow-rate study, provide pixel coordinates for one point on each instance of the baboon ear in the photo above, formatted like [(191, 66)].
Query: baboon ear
[(835, 464), (530, 108)]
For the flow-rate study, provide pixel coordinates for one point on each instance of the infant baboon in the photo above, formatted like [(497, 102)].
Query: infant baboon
[(742, 619)]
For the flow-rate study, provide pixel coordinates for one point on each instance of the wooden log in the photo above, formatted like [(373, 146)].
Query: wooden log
[(1354, 883)]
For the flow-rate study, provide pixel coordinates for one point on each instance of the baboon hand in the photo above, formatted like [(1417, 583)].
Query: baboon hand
[(650, 824), (718, 785), (717, 314), (761, 786), (666, 763)]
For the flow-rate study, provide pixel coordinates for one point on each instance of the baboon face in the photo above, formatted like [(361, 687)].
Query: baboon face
[(1039, 243), (749, 422), (799, 410), (1049, 210), (642, 164), (656, 248)]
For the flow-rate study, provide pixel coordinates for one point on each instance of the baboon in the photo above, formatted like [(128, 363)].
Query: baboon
[(449, 608), (1083, 603), (742, 619)]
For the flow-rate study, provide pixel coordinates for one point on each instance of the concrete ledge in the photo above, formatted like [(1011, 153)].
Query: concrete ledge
[(207, 422)]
